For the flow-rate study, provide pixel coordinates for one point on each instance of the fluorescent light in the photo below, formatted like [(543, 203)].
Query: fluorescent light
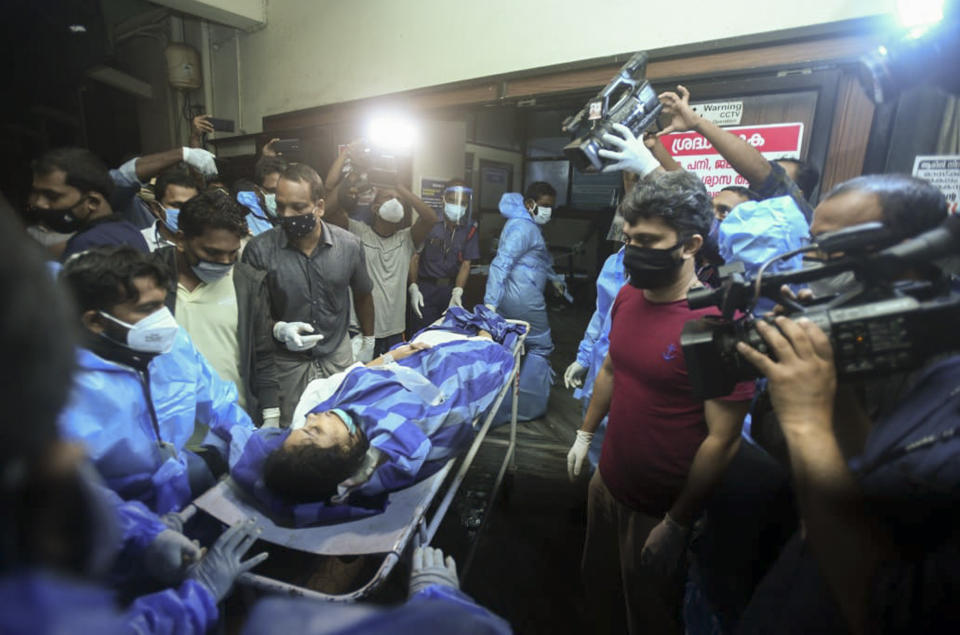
[(919, 14)]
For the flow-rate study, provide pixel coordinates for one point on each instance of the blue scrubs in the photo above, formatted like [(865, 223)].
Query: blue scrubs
[(444, 250)]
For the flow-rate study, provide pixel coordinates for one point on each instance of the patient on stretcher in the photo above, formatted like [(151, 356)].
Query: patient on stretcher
[(370, 430)]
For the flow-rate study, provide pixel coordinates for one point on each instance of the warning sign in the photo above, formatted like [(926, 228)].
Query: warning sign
[(722, 113), (697, 155), (942, 171)]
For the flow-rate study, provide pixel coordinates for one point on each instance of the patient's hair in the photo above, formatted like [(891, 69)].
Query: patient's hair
[(310, 474)]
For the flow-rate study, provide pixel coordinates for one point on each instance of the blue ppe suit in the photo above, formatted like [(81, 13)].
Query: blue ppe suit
[(111, 410), (596, 341), (257, 221), (515, 285), (35, 601), (435, 609)]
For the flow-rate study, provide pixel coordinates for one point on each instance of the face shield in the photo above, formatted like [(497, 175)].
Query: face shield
[(457, 204)]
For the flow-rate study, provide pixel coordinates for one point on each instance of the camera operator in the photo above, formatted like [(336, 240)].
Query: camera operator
[(664, 450), (855, 510)]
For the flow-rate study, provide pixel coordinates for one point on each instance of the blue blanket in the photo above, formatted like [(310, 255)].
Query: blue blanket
[(419, 413)]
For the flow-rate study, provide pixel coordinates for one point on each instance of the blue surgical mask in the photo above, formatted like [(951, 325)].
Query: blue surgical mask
[(210, 272), (453, 212), (173, 216), (347, 420), (270, 202)]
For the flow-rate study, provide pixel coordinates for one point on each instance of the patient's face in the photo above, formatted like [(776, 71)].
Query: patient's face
[(324, 430)]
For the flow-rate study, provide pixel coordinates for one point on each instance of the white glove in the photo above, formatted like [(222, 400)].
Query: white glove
[(456, 297), (578, 453), (559, 286), (292, 335), (573, 376), (491, 307), (365, 352), (200, 159), (271, 418), (633, 156), (430, 568), (416, 299), (665, 545)]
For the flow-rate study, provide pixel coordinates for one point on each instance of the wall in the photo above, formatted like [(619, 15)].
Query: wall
[(315, 52), (439, 151)]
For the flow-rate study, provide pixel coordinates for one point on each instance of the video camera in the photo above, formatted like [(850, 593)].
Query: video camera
[(373, 167), (628, 99), (881, 327)]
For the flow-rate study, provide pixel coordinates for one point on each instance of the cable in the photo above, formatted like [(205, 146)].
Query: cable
[(759, 281)]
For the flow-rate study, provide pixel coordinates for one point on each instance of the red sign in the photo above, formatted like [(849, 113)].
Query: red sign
[(696, 154)]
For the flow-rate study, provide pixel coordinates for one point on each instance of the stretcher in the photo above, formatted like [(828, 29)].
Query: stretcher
[(405, 518)]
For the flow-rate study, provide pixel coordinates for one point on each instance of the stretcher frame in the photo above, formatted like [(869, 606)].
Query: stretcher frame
[(419, 528)]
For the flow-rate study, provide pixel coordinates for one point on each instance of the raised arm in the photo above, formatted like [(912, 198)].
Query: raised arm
[(427, 216), (743, 157)]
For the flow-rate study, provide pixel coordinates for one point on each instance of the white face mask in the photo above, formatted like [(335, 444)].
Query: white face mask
[(391, 211), (541, 216), (270, 201), (153, 334), (454, 212)]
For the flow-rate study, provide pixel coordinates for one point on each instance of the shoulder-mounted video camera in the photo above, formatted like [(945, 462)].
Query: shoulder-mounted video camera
[(882, 326), (628, 99)]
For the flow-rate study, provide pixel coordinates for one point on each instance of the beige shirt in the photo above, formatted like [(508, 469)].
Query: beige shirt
[(388, 263), (209, 314)]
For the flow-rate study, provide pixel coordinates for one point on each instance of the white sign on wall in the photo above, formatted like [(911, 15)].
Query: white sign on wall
[(722, 113), (942, 171)]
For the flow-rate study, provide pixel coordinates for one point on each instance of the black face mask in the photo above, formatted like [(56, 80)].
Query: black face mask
[(60, 220), (652, 268), (296, 227)]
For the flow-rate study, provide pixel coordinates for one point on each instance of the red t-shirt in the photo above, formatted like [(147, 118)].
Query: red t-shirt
[(656, 424)]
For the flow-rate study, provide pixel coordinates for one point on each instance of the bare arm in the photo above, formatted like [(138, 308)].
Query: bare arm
[(151, 165), (743, 157), (724, 419), (199, 127), (363, 305), (414, 269), (333, 212), (463, 274), (602, 394), (661, 154), (427, 216)]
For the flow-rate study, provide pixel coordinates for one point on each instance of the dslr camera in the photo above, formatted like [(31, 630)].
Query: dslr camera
[(628, 99), (881, 326)]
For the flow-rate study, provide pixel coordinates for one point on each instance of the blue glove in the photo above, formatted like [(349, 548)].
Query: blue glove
[(167, 558), (223, 564)]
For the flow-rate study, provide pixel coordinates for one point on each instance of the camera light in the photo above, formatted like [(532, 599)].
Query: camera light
[(392, 133), (918, 15)]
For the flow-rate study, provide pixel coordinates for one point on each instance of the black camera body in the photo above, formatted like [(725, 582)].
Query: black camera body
[(374, 167), (628, 99), (881, 328)]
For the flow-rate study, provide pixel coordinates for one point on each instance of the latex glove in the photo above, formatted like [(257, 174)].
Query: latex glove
[(173, 521), (430, 568), (559, 286), (665, 545), (200, 159), (578, 453), (167, 558), (416, 299), (631, 154), (365, 352), (292, 335), (271, 418), (573, 376), (224, 563), (491, 307), (456, 297)]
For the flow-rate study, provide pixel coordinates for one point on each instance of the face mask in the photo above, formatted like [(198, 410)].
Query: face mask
[(454, 212), (173, 215), (153, 334), (270, 202), (296, 227), (63, 221), (542, 215), (210, 272), (347, 420), (391, 211), (834, 285), (650, 268)]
